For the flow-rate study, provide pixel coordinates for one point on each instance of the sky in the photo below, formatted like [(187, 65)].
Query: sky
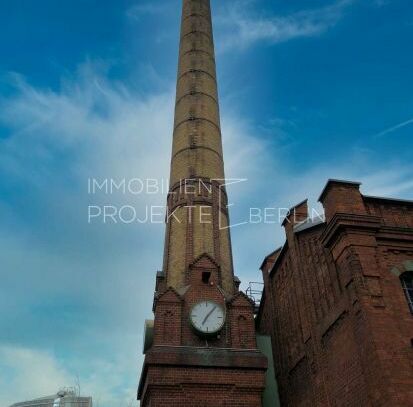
[(309, 90)]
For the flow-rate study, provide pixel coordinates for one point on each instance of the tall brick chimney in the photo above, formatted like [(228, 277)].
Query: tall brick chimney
[(201, 348), (197, 196)]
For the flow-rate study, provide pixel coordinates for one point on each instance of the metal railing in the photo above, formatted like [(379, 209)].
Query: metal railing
[(254, 291)]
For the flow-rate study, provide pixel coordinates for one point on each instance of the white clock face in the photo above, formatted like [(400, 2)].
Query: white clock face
[(207, 317)]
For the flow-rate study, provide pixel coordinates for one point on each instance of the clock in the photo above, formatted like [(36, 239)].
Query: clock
[(207, 317)]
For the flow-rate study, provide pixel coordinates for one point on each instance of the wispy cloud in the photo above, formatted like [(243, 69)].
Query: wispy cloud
[(394, 128), (74, 293), (137, 11), (242, 29), (381, 3), (29, 373)]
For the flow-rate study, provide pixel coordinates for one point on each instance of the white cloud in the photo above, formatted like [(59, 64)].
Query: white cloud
[(27, 374), (78, 288), (118, 131), (240, 29), (137, 11), (381, 3), (394, 128)]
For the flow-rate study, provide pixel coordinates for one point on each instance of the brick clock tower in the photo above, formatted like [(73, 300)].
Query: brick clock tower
[(201, 349)]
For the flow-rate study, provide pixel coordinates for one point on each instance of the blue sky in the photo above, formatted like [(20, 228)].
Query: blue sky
[(309, 90)]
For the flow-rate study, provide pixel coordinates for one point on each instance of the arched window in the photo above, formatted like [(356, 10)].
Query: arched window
[(407, 284)]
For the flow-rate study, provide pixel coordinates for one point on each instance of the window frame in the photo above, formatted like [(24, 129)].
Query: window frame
[(405, 279)]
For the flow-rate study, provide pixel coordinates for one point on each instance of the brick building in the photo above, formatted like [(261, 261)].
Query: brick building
[(338, 300), (201, 348), (63, 398)]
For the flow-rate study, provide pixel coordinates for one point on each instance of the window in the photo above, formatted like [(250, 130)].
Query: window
[(407, 284), (206, 275)]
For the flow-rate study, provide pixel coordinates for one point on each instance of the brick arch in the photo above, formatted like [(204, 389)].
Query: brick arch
[(407, 265), (404, 273), (406, 280)]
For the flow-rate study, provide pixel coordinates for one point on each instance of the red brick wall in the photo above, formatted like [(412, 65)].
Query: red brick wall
[(172, 325), (201, 387), (340, 324), (184, 369)]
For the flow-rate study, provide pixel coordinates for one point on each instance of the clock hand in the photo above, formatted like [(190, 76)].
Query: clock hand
[(207, 315)]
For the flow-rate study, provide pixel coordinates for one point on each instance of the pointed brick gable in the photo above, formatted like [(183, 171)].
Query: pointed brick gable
[(241, 300), (204, 261), (170, 295)]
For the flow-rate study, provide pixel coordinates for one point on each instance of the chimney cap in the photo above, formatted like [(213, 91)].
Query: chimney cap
[(332, 181), (292, 209), (276, 251)]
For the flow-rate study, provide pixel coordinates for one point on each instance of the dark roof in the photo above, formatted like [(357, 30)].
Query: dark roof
[(292, 208), (383, 198), (307, 224)]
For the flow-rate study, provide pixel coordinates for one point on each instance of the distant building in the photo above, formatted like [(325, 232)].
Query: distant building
[(338, 302), (64, 398)]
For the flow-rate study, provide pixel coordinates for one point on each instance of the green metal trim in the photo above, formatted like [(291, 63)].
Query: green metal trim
[(270, 396), (148, 335), (396, 271), (408, 265)]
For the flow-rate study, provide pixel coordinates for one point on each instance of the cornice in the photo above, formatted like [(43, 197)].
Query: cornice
[(343, 221)]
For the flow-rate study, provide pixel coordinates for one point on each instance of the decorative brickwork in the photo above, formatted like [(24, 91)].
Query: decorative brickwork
[(197, 153), (222, 370), (334, 306), (185, 366)]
